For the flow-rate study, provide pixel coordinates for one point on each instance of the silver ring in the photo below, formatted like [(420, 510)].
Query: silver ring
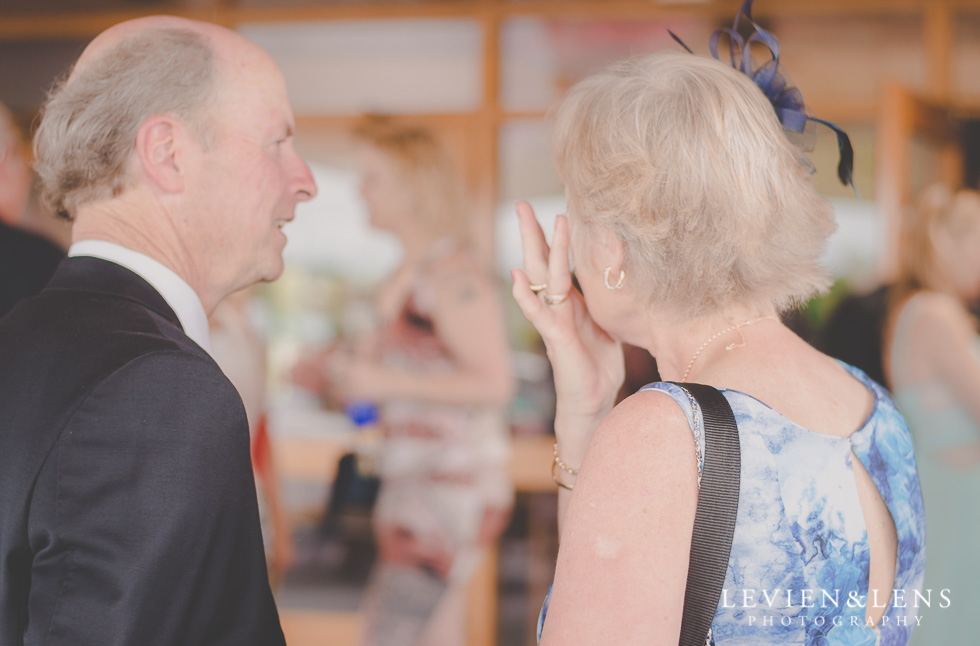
[(555, 299), (538, 288)]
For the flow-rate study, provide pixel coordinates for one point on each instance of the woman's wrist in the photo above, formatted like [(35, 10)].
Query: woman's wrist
[(573, 434)]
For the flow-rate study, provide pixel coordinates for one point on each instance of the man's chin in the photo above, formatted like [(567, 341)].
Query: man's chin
[(273, 273), (267, 272)]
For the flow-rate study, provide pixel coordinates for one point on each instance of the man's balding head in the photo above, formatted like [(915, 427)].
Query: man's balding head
[(174, 138), (139, 68)]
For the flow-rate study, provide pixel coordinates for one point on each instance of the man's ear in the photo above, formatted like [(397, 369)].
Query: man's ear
[(161, 151)]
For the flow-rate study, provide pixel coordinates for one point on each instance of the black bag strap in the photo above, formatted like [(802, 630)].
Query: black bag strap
[(714, 520)]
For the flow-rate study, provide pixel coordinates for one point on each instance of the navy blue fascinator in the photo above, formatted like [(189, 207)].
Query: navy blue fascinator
[(786, 100)]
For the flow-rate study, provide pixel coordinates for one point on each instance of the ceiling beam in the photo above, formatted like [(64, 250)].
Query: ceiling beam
[(81, 24)]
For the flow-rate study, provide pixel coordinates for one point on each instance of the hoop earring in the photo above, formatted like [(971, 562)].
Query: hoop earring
[(619, 283)]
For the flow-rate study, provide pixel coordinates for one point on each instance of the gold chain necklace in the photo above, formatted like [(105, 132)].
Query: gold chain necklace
[(730, 346)]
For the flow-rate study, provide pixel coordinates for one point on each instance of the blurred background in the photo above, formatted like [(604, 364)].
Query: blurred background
[(900, 76)]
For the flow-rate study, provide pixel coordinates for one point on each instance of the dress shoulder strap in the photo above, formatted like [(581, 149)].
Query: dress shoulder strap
[(719, 481)]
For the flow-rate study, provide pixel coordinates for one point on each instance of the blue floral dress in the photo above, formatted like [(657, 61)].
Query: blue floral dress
[(798, 572)]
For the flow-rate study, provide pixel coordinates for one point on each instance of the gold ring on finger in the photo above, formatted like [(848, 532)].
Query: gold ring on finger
[(538, 288), (555, 299)]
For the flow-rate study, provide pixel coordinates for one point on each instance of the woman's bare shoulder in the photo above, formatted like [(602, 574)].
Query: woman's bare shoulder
[(939, 319), (628, 527), (934, 304), (646, 429)]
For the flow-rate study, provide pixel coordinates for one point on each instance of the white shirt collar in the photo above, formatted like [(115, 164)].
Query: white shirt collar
[(179, 296)]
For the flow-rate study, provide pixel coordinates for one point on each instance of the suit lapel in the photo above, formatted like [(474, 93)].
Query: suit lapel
[(98, 276)]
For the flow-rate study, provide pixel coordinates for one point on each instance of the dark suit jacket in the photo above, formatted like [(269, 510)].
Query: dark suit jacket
[(128, 512), (27, 262)]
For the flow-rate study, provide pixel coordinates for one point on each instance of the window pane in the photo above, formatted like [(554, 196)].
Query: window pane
[(392, 66), (526, 169), (966, 52), (541, 58), (844, 63)]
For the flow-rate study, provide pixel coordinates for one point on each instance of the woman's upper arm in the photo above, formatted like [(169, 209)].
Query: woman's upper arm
[(626, 541), (468, 316), (948, 332)]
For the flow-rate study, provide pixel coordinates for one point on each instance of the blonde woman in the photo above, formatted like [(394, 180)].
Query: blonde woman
[(932, 359), (439, 367), (692, 224)]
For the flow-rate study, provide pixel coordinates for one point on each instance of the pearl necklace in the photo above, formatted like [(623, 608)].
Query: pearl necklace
[(730, 346)]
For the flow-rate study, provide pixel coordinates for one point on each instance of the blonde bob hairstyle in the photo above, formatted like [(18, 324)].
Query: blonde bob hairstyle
[(90, 120), (684, 160), (938, 206), (429, 174)]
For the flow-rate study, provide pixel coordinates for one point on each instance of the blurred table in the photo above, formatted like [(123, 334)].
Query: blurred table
[(308, 443)]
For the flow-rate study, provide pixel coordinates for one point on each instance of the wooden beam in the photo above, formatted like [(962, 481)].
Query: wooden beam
[(486, 136), (968, 110), (904, 117), (938, 35), (318, 121), (227, 12), (88, 24), (964, 6), (360, 11), (891, 164)]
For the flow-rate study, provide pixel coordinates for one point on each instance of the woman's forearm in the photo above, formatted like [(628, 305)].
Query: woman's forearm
[(572, 434)]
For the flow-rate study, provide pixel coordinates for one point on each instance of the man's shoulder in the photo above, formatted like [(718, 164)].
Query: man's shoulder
[(64, 354), (91, 322), (60, 344)]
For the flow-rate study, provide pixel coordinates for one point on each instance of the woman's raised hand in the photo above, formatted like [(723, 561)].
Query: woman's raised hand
[(587, 362)]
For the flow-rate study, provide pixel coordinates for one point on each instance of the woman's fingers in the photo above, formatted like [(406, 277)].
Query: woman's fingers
[(559, 276), (533, 243), (534, 310)]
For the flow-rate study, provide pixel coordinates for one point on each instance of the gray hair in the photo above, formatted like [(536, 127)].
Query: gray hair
[(684, 160), (90, 121)]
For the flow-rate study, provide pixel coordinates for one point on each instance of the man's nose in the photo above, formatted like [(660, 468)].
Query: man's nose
[(305, 185)]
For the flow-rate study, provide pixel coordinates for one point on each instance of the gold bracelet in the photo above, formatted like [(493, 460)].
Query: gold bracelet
[(557, 480), (561, 465)]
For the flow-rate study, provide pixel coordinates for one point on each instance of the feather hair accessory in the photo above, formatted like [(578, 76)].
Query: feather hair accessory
[(786, 100)]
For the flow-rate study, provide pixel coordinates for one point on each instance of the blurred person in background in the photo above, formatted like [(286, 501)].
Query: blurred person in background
[(27, 260), (932, 360), (692, 225), (239, 349), (438, 367)]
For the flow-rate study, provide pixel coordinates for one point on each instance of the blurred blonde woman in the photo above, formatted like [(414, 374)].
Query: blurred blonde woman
[(439, 367), (932, 359), (692, 224)]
